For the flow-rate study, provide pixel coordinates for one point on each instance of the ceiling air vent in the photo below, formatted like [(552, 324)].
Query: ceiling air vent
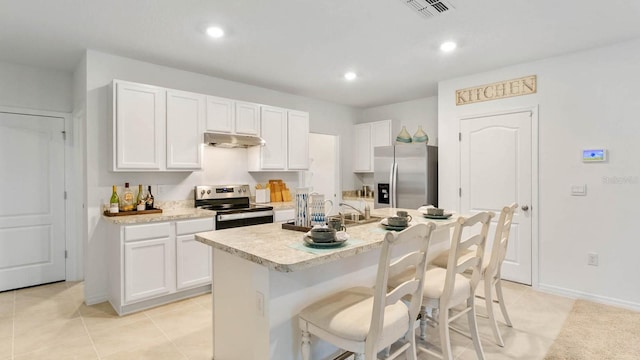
[(429, 8)]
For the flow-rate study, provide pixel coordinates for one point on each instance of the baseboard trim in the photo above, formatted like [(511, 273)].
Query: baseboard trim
[(97, 299), (147, 304), (557, 290)]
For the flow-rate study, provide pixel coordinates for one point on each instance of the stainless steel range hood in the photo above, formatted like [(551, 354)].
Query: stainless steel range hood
[(232, 141)]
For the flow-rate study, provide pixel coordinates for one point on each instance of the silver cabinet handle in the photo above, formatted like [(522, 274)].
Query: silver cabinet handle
[(525, 207)]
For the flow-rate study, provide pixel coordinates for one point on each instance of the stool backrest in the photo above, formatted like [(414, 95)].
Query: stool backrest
[(459, 249), (411, 266), (501, 239)]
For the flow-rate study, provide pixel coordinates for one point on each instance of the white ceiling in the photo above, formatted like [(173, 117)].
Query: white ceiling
[(304, 46)]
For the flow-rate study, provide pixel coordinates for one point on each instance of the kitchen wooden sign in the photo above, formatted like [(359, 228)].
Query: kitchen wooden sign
[(500, 90)]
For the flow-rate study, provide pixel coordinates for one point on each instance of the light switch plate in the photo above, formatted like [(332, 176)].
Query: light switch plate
[(578, 190)]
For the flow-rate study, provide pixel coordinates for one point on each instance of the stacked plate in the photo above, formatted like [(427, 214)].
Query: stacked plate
[(384, 222), (433, 213), (325, 238)]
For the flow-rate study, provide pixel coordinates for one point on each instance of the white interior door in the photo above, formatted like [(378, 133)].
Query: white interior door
[(496, 170), (32, 210), (323, 168)]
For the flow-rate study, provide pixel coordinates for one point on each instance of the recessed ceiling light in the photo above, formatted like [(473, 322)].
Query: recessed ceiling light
[(448, 46), (350, 76), (215, 32)]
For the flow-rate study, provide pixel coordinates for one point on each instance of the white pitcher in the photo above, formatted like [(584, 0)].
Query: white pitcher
[(318, 209)]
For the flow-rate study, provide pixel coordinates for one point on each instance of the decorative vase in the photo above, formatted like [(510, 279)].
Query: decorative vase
[(403, 136), (420, 136)]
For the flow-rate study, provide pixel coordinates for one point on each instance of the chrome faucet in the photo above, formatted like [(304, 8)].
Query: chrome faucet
[(347, 205)]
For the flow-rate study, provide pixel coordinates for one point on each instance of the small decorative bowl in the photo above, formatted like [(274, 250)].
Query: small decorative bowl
[(323, 235), (397, 221), (435, 211)]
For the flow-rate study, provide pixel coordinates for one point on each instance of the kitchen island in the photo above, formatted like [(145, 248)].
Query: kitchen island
[(263, 276)]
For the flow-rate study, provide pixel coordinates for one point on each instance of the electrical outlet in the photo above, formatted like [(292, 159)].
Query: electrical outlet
[(592, 259)]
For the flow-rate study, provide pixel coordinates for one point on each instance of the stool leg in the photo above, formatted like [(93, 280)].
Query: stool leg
[(488, 298), (306, 345), (423, 323), (503, 307)]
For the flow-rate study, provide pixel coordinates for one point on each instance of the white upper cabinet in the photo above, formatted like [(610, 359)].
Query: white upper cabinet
[(220, 114), (368, 136), (156, 129), (298, 136), (286, 133), (273, 125), (247, 118), (185, 116), (139, 126), (361, 146), (232, 117)]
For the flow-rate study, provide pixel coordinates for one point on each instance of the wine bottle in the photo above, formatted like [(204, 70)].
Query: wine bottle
[(114, 203), (149, 199), (126, 202), (140, 200)]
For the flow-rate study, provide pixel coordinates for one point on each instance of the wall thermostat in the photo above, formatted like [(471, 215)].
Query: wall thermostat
[(594, 155)]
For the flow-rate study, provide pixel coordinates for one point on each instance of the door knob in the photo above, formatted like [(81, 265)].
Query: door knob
[(525, 207)]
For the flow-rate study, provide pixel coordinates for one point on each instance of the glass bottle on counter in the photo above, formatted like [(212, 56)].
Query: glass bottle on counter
[(126, 201), (149, 199), (140, 200), (114, 203)]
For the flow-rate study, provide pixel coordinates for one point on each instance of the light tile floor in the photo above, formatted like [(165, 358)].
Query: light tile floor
[(52, 322)]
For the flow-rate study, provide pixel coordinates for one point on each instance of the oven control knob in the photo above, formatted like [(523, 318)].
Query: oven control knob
[(201, 192), (208, 192)]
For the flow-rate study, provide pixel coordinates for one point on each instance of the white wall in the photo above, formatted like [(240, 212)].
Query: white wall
[(35, 88), (586, 99), (420, 112), (221, 165)]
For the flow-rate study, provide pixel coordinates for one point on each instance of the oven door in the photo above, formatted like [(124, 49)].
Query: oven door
[(227, 221)]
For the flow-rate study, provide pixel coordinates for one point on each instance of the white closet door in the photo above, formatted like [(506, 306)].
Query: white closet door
[(32, 209), (496, 170)]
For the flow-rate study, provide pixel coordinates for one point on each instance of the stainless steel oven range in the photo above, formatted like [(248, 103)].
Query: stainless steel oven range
[(232, 206)]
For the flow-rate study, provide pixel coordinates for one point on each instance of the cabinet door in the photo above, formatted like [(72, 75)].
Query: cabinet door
[(298, 136), (362, 148), (149, 269), (185, 116), (247, 118), (273, 128), (220, 114), (193, 262), (139, 133), (380, 136)]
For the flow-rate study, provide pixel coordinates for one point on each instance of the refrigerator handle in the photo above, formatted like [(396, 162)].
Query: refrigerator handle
[(394, 187), (391, 184)]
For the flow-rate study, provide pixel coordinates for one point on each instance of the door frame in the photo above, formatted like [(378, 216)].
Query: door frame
[(534, 207), (72, 180)]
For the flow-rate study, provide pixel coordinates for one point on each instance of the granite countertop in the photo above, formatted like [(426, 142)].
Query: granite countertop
[(166, 215), (275, 248)]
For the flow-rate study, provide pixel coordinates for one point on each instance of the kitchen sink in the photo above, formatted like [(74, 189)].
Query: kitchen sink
[(349, 222)]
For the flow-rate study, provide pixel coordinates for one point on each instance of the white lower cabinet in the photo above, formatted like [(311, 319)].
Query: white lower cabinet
[(153, 264), (193, 258), (147, 269)]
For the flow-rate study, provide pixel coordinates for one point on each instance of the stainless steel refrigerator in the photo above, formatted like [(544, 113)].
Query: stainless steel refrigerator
[(406, 176)]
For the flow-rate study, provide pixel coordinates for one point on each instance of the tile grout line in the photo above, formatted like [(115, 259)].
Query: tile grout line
[(93, 344), (166, 336), (84, 324)]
